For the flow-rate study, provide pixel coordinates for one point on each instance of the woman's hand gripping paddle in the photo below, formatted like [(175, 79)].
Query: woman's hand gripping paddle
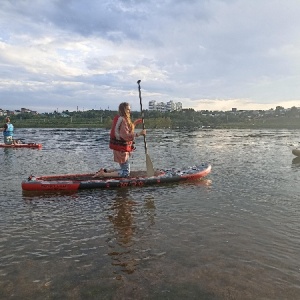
[(149, 165)]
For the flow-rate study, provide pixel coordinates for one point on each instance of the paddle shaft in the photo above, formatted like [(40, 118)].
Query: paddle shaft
[(142, 114), (149, 165)]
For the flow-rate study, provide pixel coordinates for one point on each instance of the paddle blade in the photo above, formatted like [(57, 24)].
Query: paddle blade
[(150, 169)]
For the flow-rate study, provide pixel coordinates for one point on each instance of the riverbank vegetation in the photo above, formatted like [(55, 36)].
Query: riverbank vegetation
[(187, 118)]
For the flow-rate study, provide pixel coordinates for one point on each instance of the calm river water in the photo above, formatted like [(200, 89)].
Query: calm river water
[(234, 235)]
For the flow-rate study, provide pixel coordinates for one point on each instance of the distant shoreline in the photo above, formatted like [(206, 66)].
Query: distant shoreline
[(222, 126)]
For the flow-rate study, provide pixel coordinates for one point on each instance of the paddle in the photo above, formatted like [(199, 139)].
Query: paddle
[(149, 165)]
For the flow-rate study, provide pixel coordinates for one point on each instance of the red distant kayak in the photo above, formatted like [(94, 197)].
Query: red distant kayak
[(71, 182), (27, 145)]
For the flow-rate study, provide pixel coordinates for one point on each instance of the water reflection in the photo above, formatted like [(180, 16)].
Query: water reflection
[(149, 208), (296, 161), (121, 216), (8, 156), (124, 216), (31, 196)]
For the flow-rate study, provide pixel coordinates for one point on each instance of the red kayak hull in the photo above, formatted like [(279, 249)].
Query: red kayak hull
[(28, 145), (73, 182)]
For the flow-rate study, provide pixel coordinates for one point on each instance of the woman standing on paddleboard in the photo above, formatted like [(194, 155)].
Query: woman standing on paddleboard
[(122, 142)]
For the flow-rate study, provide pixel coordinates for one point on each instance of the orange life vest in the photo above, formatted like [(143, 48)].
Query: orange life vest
[(116, 142)]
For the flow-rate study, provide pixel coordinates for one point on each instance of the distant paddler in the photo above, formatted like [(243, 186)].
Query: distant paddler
[(8, 132)]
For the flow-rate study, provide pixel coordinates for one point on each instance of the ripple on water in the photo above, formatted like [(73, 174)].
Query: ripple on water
[(232, 236)]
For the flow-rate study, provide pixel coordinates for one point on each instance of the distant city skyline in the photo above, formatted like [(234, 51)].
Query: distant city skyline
[(4, 112)]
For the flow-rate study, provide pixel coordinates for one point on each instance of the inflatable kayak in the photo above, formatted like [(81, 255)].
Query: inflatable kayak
[(296, 152), (87, 181), (27, 145)]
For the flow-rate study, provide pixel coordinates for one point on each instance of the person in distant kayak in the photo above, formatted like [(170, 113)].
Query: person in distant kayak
[(122, 142), (8, 132)]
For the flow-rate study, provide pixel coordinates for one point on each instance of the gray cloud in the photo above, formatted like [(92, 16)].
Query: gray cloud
[(64, 54)]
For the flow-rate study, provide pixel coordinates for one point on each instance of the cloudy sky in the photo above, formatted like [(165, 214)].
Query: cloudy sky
[(207, 54)]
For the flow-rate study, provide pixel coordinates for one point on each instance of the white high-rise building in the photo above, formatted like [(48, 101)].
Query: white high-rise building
[(178, 106), (163, 107), (152, 105), (171, 106)]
